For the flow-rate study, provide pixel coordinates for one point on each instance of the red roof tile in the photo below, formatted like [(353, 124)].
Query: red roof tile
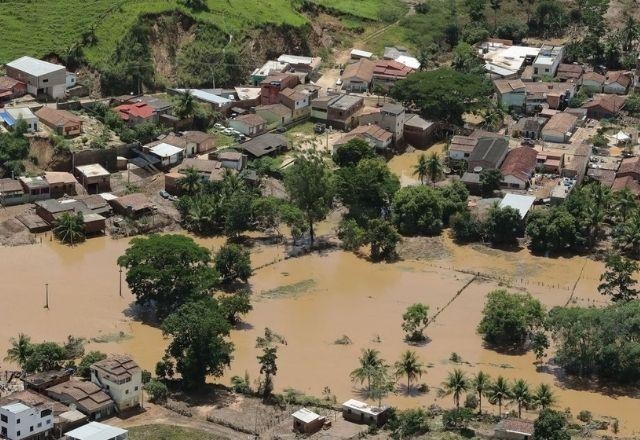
[(520, 163), (138, 109)]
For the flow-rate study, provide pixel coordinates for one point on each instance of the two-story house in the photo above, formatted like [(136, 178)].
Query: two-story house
[(19, 421), (121, 378)]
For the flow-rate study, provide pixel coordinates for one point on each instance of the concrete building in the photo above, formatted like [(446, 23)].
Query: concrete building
[(567, 72), (357, 76), (87, 397), (168, 154), (35, 188), (272, 85), (418, 132), (559, 128), (461, 147), (19, 421), (307, 66), (269, 68), (97, 431), (514, 429), (377, 137), (387, 72), (61, 122), (121, 378), (592, 82), (547, 61), (41, 77), (604, 106), (360, 412), (297, 102), (342, 109), (275, 114), (529, 127), (392, 119), (11, 192), (94, 178), (306, 421), (11, 88), (511, 93), (518, 202), (488, 154), (9, 116), (503, 59), (60, 183), (518, 167), (617, 82), (249, 124)]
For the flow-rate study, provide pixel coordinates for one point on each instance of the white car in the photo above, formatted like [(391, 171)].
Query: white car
[(339, 82), (228, 131), (218, 126)]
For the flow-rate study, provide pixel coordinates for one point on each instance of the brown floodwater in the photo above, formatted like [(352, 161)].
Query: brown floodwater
[(312, 301), (404, 164)]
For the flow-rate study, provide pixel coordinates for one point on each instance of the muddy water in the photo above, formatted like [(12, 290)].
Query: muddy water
[(403, 165), (313, 301)]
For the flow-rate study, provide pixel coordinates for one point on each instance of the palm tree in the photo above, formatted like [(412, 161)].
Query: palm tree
[(409, 365), (420, 169), (456, 384), (628, 234), (543, 396), (499, 392), (521, 394), (20, 350), (191, 183), (481, 384), (370, 363), (185, 106), (624, 203), (434, 167), (69, 228)]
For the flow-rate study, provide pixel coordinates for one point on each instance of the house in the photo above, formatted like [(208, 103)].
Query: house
[(548, 162), (604, 106), (19, 421), (274, 114), (392, 119), (11, 192), (552, 94), (518, 167), (617, 82), (265, 144), (136, 113), (568, 72), (387, 72), (311, 90), (11, 88), (35, 188), (320, 106), (51, 210), (547, 61), (627, 182), (168, 154), (418, 132), (576, 164), (359, 54), (232, 159), (94, 178), (301, 64), (61, 122), (461, 147), (272, 85), (401, 55), (360, 412), (488, 154), (528, 127), (134, 205), (9, 116), (202, 141), (87, 397), (41, 77), (518, 202), (306, 421), (249, 124), (120, 376), (60, 183), (342, 109), (212, 97), (268, 68), (357, 76), (97, 431), (514, 429), (377, 137), (503, 59), (559, 128), (511, 92), (472, 182), (248, 97), (97, 203), (592, 82), (42, 380), (70, 80), (605, 177), (295, 101), (629, 167)]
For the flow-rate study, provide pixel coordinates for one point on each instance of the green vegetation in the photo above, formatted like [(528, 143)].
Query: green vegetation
[(86, 362), (233, 263), (551, 425), (44, 356), (69, 228), (14, 148), (168, 432), (414, 322)]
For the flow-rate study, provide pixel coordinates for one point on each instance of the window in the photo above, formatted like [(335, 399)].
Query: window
[(4, 418), (48, 421), (31, 429), (40, 425), (126, 391), (18, 433), (45, 413), (18, 421), (136, 389), (45, 80)]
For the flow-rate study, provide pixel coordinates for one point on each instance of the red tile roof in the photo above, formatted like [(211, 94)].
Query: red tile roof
[(520, 163), (610, 103), (626, 182), (621, 77), (629, 165), (9, 83), (138, 109), (391, 68)]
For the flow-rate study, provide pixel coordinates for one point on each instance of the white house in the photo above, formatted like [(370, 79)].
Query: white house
[(97, 431), (71, 79), (360, 412), (547, 61), (121, 378), (168, 154), (10, 116), (18, 421), (41, 77)]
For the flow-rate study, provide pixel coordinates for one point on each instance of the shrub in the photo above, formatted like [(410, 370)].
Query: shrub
[(585, 416), (471, 401), (157, 390)]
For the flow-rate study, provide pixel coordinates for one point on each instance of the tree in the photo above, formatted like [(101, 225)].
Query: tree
[(551, 425), (308, 182), (543, 396), (21, 349), (185, 106), (465, 58), (352, 235), (352, 152), (455, 197), (233, 263), (599, 140), (167, 270), (421, 169), (370, 362), (89, 359), (414, 321), (456, 384), (503, 225), (476, 9), (539, 344), (409, 423), (490, 181), (418, 210), (521, 395), (269, 368), (499, 392), (165, 367), (410, 366), (69, 228), (198, 330), (626, 236), (238, 210), (508, 319), (434, 167), (495, 5), (457, 418), (443, 94), (382, 383), (552, 230), (383, 238), (191, 183), (481, 384), (618, 280), (624, 203), (157, 391), (234, 305), (45, 357), (465, 227)]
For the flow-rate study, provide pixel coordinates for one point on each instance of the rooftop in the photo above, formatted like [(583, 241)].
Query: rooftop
[(345, 102), (363, 407), (206, 96), (465, 144), (87, 394), (279, 109), (611, 103), (490, 149), (519, 202), (416, 121), (519, 426), (560, 123), (59, 177), (92, 170), (34, 182), (520, 163), (138, 110), (305, 415), (252, 120), (505, 60), (391, 69), (95, 431), (312, 62), (270, 66), (264, 144), (116, 367), (16, 408), (34, 66), (165, 150)]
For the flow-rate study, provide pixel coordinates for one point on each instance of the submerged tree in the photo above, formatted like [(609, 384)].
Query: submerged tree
[(370, 363), (69, 228), (410, 366), (414, 321)]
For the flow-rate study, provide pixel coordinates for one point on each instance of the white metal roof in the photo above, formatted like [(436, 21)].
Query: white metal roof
[(270, 66), (509, 58), (295, 59), (521, 203), (363, 407), (20, 112), (93, 170), (95, 431), (34, 66), (206, 96), (165, 150), (305, 415), (409, 61), (108, 196), (16, 408), (361, 53)]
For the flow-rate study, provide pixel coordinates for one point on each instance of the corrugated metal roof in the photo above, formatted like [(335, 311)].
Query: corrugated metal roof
[(34, 66)]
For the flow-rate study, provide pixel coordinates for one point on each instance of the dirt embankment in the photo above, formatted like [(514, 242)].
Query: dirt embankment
[(168, 34)]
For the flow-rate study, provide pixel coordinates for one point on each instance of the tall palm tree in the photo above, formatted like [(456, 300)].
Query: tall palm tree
[(434, 167), (20, 350), (543, 396), (69, 228), (628, 234), (420, 169), (409, 365), (521, 394), (191, 183), (499, 392), (370, 364), (456, 384), (624, 203), (481, 384), (185, 106)]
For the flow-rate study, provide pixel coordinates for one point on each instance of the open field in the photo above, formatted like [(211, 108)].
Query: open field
[(165, 432)]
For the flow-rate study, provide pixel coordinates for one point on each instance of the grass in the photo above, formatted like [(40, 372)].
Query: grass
[(290, 289), (368, 9), (223, 140), (165, 432)]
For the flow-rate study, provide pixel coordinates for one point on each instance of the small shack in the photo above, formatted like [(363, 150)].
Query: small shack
[(306, 421), (134, 205), (514, 429), (94, 178), (360, 412)]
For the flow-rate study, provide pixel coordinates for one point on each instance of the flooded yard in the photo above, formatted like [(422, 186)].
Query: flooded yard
[(312, 301)]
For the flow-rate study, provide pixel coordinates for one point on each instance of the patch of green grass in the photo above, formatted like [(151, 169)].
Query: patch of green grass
[(165, 432), (111, 337), (306, 128), (369, 9), (394, 35), (223, 140), (290, 289)]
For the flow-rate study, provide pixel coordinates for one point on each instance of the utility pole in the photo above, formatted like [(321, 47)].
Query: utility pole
[(120, 281), (46, 295)]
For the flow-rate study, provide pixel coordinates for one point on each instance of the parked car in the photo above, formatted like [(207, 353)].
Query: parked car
[(319, 128), (164, 194), (281, 129), (218, 126)]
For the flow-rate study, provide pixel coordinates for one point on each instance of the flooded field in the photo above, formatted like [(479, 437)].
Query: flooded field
[(313, 301), (403, 165)]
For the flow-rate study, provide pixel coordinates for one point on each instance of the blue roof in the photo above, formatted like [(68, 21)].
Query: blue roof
[(6, 117)]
